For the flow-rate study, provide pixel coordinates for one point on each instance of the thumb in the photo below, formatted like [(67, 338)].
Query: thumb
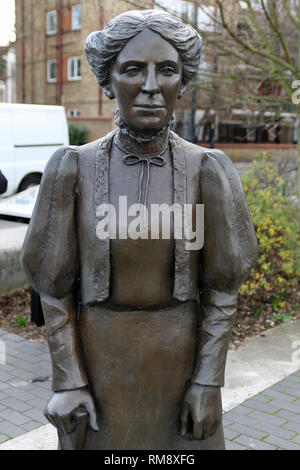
[(184, 419), (92, 416)]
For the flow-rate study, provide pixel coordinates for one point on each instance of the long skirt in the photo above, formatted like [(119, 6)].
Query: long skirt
[(139, 364)]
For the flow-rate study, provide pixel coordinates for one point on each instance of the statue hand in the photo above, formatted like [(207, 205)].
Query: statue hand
[(201, 412), (62, 406)]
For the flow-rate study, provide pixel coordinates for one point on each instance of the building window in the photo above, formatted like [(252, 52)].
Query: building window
[(73, 112), (52, 22), (74, 68), (76, 17), (52, 71)]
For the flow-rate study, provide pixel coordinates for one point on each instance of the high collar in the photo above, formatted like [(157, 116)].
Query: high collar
[(130, 145), (139, 143)]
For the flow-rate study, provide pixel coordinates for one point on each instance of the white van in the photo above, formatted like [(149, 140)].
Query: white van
[(29, 135)]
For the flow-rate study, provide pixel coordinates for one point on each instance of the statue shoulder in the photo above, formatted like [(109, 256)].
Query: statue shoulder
[(215, 161), (191, 151), (92, 147), (62, 164), (72, 153)]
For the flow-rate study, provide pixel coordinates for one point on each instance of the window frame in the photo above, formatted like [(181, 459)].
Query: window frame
[(49, 63), (75, 111), (78, 27), (76, 77), (48, 15)]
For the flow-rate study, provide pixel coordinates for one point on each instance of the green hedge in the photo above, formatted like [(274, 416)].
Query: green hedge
[(276, 221), (77, 134)]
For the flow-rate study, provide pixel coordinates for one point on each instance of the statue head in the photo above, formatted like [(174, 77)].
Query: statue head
[(148, 46)]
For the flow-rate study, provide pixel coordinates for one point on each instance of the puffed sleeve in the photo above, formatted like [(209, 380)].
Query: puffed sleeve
[(228, 255), (49, 259)]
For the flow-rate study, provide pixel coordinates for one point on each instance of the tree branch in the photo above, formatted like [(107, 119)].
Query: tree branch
[(276, 29), (245, 46)]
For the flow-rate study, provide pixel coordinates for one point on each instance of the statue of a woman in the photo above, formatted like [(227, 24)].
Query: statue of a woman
[(139, 326)]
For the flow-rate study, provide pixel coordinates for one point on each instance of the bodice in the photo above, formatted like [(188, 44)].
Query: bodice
[(142, 269)]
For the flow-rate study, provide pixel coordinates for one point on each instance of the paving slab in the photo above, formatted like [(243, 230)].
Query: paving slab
[(43, 438), (276, 426), (21, 398)]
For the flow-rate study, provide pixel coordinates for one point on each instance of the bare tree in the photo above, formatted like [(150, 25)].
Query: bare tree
[(250, 46)]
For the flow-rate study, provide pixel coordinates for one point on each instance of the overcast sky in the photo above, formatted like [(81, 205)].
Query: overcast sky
[(7, 21)]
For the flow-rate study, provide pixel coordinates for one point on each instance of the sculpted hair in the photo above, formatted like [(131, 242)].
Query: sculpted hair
[(102, 47)]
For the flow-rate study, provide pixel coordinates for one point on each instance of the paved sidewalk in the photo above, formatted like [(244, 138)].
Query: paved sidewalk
[(267, 421), (24, 385)]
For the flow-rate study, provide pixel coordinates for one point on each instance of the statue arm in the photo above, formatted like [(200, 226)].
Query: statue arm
[(228, 254), (49, 259), (63, 340)]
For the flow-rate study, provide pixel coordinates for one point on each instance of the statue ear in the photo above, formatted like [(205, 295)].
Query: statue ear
[(109, 91), (181, 91)]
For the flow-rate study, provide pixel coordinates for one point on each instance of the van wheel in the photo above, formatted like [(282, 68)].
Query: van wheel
[(29, 182)]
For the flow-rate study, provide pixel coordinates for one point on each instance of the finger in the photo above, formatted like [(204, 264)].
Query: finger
[(211, 429), (197, 425), (184, 419), (66, 423), (92, 416), (198, 430), (49, 417), (207, 431)]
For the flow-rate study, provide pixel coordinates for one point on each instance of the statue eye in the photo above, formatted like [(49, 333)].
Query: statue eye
[(132, 70), (168, 71)]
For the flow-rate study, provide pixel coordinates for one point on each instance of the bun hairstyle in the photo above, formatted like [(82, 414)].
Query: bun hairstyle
[(102, 47)]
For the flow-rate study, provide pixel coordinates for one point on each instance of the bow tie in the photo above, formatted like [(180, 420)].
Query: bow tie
[(156, 160), (131, 159), (151, 160)]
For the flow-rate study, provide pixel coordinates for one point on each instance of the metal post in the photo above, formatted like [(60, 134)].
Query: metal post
[(59, 47), (32, 53)]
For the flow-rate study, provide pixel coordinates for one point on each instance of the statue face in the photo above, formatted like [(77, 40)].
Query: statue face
[(145, 79)]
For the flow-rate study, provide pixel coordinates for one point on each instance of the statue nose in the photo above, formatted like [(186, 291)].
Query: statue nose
[(151, 84)]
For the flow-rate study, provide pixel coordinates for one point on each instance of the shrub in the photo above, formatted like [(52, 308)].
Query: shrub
[(77, 134), (276, 222), (21, 321)]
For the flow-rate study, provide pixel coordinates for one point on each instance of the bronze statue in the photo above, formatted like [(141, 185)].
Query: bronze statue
[(139, 327)]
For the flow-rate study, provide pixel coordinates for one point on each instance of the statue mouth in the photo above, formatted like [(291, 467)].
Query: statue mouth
[(149, 106)]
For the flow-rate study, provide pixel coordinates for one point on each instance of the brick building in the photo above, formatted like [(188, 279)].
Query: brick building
[(51, 67)]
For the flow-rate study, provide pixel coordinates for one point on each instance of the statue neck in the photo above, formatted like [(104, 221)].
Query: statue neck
[(130, 145), (139, 142)]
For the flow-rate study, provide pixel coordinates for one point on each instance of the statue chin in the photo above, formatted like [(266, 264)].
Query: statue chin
[(142, 136)]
